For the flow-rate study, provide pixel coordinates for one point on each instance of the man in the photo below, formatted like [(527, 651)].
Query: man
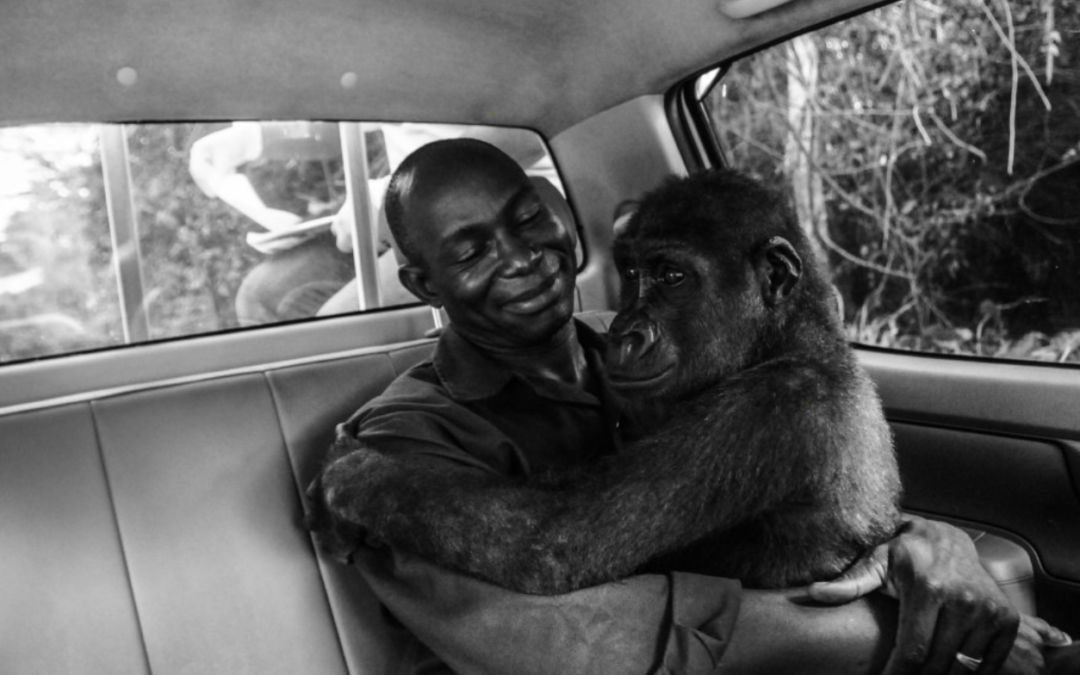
[(516, 385), (302, 267)]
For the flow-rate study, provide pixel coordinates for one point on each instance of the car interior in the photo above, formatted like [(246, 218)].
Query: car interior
[(151, 493)]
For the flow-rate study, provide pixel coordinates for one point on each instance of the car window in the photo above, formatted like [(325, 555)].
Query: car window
[(114, 234), (932, 150)]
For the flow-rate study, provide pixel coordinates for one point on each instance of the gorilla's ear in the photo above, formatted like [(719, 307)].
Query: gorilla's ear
[(415, 278), (778, 269)]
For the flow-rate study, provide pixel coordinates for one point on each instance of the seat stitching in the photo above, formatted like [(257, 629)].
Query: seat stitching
[(92, 408), (289, 454)]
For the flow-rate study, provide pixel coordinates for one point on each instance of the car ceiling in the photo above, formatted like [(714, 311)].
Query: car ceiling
[(545, 64)]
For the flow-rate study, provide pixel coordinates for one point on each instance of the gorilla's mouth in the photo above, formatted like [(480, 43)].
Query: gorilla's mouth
[(636, 379)]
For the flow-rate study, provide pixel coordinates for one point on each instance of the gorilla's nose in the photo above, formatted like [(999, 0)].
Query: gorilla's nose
[(635, 344)]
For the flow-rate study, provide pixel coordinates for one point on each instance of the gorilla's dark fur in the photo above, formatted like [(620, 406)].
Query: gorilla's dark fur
[(770, 460)]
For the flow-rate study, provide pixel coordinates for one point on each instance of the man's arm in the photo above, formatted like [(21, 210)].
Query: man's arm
[(771, 637), (677, 623)]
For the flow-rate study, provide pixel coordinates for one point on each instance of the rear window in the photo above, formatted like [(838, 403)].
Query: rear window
[(118, 234), (932, 151)]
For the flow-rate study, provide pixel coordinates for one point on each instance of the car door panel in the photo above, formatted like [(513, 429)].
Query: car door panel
[(1016, 484), (992, 446)]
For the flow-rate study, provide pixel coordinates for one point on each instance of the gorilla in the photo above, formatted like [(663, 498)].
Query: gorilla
[(762, 452)]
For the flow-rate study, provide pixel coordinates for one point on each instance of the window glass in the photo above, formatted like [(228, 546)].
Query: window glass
[(58, 291), (114, 234), (933, 152)]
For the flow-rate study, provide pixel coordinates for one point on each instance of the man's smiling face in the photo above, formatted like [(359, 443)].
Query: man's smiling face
[(491, 252)]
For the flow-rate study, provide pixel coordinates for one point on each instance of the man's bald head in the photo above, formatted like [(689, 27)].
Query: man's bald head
[(428, 170)]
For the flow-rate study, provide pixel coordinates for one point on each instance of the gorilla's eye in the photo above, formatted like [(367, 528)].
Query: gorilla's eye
[(672, 276), (632, 273)]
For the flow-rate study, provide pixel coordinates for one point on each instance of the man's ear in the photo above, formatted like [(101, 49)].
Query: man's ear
[(415, 278), (778, 269)]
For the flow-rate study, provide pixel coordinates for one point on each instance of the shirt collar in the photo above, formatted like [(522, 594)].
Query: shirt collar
[(469, 375)]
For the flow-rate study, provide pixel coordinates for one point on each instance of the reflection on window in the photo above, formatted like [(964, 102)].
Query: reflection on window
[(934, 155), (57, 288), (111, 234)]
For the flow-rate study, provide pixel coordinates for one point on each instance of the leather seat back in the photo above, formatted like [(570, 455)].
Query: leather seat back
[(161, 530)]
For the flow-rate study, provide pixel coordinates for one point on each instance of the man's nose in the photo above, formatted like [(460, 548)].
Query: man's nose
[(517, 256)]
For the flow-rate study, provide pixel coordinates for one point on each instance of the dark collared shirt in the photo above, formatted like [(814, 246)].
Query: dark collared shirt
[(463, 409)]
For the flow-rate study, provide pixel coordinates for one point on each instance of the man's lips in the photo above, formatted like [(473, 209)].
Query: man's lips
[(536, 298)]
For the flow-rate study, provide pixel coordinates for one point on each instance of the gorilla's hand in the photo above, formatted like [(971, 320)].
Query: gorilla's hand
[(334, 535), (355, 498), (362, 494)]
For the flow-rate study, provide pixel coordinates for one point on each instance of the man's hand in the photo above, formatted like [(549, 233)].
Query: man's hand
[(948, 604)]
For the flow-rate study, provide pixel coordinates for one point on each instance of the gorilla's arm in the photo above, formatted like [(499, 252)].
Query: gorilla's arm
[(585, 527)]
